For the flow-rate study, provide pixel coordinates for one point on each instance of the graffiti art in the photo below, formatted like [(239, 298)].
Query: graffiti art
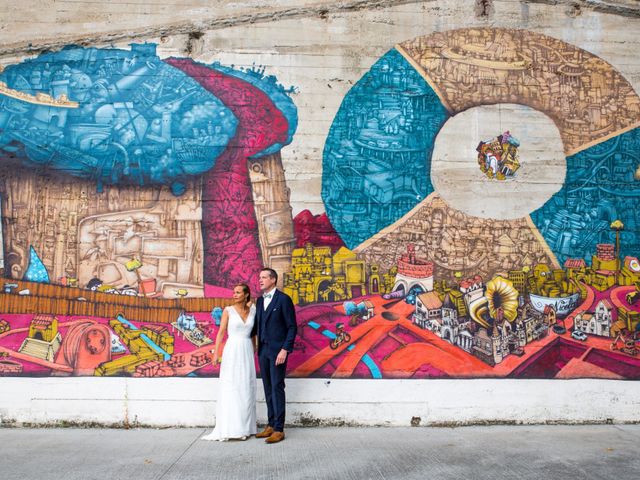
[(136, 191)]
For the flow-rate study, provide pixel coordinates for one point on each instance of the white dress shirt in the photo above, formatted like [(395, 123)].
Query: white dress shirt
[(267, 300)]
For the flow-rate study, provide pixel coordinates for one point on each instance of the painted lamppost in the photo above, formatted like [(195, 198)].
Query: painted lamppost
[(133, 266), (617, 226)]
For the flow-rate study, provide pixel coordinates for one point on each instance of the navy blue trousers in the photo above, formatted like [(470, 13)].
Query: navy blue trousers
[(273, 382)]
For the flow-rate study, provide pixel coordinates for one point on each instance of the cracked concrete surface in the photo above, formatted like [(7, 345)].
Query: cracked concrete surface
[(33, 26), (625, 8), (211, 18)]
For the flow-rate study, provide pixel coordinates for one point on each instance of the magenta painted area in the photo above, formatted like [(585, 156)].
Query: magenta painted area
[(547, 362), (229, 226), (319, 312), (618, 296), (385, 348), (328, 370), (606, 295), (362, 371), (13, 340), (317, 230), (212, 291), (310, 341), (623, 365), (427, 371)]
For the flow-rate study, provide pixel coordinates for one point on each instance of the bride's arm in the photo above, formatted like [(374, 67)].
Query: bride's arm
[(223, 329)]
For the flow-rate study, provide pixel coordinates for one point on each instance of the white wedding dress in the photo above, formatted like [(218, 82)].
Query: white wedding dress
[(236, 407)]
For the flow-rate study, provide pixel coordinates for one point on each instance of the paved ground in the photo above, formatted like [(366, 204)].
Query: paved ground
[(499, 452)]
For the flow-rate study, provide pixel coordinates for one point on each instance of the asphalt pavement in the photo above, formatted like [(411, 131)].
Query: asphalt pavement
[(494, 452)]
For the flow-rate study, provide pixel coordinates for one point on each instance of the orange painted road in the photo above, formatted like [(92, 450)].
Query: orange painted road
[(435, 352), (583, 307), (326, 354), (429, 350), (370, 340), (621, 292)]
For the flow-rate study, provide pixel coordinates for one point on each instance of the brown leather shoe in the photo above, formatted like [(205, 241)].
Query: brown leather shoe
[(266, 433), (275, 437)]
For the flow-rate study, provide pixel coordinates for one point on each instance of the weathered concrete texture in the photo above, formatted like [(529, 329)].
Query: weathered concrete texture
[(325, 57), (578, 452), (158, 18), (321, 47), (628, 8), (121, 20)]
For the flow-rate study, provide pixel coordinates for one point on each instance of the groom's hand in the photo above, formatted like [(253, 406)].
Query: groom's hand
[(282, 357)]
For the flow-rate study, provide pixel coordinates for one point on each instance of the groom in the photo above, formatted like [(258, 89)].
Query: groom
[(276, 329)]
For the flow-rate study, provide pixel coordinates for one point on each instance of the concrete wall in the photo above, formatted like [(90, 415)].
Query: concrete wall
[(192, 402), (348, 162), (322, 48)]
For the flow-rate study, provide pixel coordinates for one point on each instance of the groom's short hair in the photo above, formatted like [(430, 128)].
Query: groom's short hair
[(272, 273)]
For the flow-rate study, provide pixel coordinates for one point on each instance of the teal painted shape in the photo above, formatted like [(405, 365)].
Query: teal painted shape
[(377, 156), (138, 120), (599, 188), (36, 272)]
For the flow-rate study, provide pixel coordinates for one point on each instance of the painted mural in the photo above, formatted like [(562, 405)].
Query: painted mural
[(136, 191)]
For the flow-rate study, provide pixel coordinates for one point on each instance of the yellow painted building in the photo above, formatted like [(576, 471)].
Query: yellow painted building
[(140, 352), (159, 334), (318, 276), (549, 283), (43, 327)]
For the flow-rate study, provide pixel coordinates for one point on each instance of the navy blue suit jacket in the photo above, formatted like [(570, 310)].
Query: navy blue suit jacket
[(276, 326)]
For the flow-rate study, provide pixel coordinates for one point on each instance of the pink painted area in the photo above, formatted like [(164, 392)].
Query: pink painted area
[(309, 340), (12, 340), (547, 362), (317, 230), (387, 346), (212, 291), (606, 295), (229, 225), (618, 363), (619, 300), (429, 371), (398, 347), (577, 368)]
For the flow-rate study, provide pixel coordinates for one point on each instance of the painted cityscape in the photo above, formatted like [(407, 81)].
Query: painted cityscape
[(137, 191)]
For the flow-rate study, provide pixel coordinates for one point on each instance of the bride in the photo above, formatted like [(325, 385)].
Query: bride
[(236, 407)]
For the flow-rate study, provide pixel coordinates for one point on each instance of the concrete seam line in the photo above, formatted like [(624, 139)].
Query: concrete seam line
[(624, 431), (182, 454), (184, 28)]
